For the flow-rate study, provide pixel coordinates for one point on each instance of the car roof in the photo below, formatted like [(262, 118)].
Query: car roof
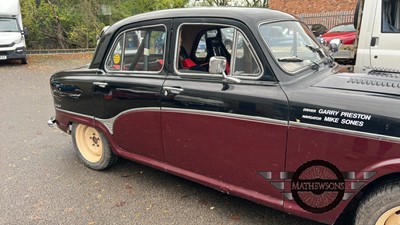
[(249, 16), (244, 14)]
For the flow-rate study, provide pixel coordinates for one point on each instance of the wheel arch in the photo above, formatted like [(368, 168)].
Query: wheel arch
[(349, 211)]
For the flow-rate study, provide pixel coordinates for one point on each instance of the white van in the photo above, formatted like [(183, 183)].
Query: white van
[(377, 46), (379, 37), (12, 34)]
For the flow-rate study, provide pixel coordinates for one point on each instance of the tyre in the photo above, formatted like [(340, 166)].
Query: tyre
[(92, 147), (381, 207), (24, 61)]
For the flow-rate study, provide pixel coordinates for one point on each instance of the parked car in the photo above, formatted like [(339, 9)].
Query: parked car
[(345, 32), (275, 123)]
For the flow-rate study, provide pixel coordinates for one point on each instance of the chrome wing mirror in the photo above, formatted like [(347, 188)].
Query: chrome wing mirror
[(217, 65), (334, 45)]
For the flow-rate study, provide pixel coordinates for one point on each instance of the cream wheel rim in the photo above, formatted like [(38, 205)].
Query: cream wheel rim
[(390, 217), (89, 143)]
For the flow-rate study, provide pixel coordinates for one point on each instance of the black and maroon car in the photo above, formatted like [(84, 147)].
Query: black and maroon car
[(269, 119)]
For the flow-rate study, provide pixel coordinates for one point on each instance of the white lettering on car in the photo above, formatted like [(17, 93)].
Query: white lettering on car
[(336, 116)]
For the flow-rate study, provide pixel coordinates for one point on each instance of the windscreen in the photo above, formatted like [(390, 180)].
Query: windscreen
[(8, 25), (292, 45)]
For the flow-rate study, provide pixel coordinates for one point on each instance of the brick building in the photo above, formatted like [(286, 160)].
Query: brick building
[(329, 13), (296, 7)]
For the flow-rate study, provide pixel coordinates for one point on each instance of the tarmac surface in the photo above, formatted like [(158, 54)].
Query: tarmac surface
[(43, 182)]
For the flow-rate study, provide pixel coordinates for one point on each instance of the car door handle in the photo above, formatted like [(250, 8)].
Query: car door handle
[(100, 84), (173, 90)]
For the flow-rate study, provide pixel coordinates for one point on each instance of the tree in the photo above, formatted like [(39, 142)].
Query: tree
[(257, 3), (75, 23)]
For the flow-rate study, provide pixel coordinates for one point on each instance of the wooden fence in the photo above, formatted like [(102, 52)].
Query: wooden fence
[(328, 19)]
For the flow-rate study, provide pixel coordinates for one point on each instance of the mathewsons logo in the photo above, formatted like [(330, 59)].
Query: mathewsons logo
[(317, 186)]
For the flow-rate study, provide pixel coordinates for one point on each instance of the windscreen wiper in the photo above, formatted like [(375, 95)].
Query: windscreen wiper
[(328, 59)]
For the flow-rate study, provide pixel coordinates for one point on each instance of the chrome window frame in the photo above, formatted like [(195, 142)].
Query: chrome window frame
[(133, 72), (206, 74)]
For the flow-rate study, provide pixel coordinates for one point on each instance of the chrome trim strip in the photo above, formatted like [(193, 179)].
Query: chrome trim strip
[(345, 131), (110, 121), (227, 115)]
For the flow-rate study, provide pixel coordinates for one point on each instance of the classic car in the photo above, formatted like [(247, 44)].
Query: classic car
[(274, 123)]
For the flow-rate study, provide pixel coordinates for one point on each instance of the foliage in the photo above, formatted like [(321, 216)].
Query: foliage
[(247, 3), (76, 23)]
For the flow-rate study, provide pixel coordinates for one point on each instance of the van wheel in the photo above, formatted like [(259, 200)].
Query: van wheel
[(92, 147), (24, 61), (381, 207)]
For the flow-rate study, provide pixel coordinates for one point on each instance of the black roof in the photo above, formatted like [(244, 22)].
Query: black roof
[(244, 14), (250, 16)]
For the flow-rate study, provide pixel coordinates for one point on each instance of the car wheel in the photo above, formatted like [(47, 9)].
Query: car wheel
[(381, 207), (92, 147), (24, 61)]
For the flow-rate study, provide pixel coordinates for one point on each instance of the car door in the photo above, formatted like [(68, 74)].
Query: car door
[(232, 136), (127, 95), (385, 35)]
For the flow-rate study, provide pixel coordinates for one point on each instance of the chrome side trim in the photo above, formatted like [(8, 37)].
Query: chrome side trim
[(227, 115), (379, 137)]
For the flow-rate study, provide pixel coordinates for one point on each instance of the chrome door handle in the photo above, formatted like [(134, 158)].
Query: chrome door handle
[(100, 84), (173, 90)]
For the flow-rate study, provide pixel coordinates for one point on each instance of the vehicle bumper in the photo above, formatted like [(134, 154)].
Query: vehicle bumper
[(18, 53), (52, 120)]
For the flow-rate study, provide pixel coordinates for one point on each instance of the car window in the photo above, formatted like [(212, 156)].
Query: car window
[(292, 45), (137, 50), (391, 16), (114, 59), (218, 40), (201, 51), (343, 28), (245, 62), (8, 25)]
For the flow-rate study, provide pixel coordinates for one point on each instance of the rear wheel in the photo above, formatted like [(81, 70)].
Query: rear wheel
[(92, 147), (381, 207)]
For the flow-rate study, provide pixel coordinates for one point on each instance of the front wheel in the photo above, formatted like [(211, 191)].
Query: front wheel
[(92, 147), (381, 207)]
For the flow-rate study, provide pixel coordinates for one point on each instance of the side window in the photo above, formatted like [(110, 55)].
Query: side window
[(391, 16), (201, 51), (227, 38), (197, 43), (244, 61), (139, 50), (114, 59)]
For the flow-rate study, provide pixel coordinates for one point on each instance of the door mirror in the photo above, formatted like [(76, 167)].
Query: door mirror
[(25, 32), (217, 65), (334, 45)]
